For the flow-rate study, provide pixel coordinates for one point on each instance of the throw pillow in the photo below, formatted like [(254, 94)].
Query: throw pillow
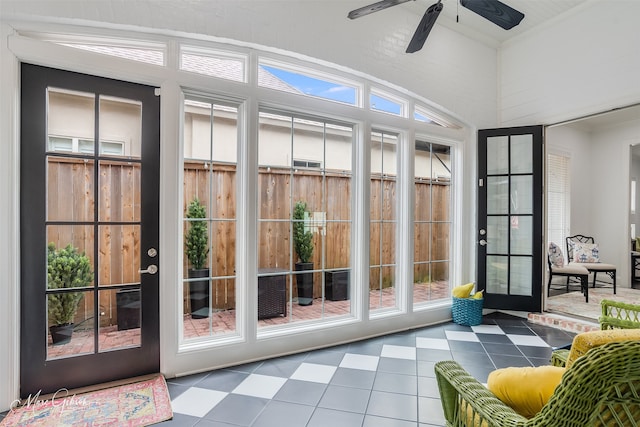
[(525, 389), (586, 252), (555, 255)]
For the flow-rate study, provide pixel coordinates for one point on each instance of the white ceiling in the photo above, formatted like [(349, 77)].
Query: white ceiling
[(536, 13)]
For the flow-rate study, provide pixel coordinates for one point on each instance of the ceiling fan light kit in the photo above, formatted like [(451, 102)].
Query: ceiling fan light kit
[(495, 11)]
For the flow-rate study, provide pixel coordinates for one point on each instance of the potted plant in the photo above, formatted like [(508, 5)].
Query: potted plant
[(197, 246), (66, 268), (303, 246)]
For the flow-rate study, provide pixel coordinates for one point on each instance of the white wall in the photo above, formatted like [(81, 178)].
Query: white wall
[(586, 63)]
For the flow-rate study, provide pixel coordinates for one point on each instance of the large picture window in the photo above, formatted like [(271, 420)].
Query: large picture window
[(209, 188), (304, 219)]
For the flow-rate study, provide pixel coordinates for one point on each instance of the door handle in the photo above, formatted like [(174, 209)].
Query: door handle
[(483, 242), (152, 269)]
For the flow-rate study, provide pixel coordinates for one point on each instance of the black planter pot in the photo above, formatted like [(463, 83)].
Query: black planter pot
[(199, 293), (61, 334), (128, 308), (304, 282)]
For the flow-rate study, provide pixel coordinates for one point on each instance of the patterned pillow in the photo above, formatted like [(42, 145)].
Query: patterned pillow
[(555, 255), (585, 252)]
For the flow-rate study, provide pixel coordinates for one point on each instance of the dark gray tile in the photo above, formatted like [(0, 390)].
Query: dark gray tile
[(211, 423), (303, 392), (397, 366), (180, 420), (517, 330), (532, 351), (279, 414), (408, 340), (392, 405), (502, 361), (282, 368), (508, 349), (356, 378), (345, 399), (396, 383), (430, 411), (223, 380), (466, 346), (323, 417), (493, 338), (428, 387), (247, 367), (369, 347), (479, 372), (373, 421), (432, 355), (539, 362), (188, 380), (237, 409), (425, 368), (331, 358), (175, 390), (481, 359)]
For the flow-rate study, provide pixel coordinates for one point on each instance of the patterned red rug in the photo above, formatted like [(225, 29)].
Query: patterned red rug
[(132, 405)]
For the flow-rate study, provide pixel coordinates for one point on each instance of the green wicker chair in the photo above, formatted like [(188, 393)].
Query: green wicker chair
[(615, 315), (601, 388)]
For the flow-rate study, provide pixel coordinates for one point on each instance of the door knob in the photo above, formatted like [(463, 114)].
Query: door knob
[(152, 269), (483, 242)]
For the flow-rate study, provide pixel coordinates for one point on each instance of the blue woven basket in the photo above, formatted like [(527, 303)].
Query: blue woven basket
[(467, 311)]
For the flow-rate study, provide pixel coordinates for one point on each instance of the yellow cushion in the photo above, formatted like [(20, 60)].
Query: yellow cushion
[(462, 291), (585, 341), (525, 389)]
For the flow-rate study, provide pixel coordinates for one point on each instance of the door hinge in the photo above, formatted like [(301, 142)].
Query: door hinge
[(481, 182)]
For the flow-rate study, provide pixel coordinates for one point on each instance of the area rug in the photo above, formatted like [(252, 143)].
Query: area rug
[(137, 404), (573, 303)]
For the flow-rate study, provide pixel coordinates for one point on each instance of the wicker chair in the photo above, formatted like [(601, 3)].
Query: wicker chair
[(600, 389), (615, 315)]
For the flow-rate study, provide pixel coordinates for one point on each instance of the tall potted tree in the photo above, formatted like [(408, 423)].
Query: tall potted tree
[(303, 246), (197, 248), (66, 268)]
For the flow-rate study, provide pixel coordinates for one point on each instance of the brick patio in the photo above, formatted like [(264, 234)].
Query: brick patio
[(222, 322)]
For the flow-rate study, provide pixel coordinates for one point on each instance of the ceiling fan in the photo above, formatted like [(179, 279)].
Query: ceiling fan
[(493, 10)]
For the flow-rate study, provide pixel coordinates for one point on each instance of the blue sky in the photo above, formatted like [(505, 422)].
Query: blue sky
[(328, 90)]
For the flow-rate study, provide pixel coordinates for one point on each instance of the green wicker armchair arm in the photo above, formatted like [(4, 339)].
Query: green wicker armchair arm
[(480, 407), (619, 315), (559, 358)]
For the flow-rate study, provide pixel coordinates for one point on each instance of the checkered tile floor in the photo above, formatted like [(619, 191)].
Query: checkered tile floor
[(381, 382)]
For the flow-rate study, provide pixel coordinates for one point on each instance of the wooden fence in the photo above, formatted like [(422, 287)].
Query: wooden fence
[(71, 198)]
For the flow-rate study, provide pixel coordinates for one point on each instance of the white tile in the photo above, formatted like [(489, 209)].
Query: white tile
[(360, 361), (197, 402), (260, 386), (398, 352), (462, 336), (530, 340), (488, 329), (432, 343), (314, 373)]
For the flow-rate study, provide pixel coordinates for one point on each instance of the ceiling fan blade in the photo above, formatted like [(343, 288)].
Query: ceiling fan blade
[(366, 10), (424, 28), (495, 11)]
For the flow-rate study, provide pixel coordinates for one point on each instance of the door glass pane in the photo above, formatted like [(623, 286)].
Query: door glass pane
[(119, 184), (70, 189), (497, 274), (521, 235), (520, 273), (497, 236), (120, 317), (64, 105), (497, 195), (497, 155), (71, 331), (521, 194), (522, 153), (120, 125), (119, 256)]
